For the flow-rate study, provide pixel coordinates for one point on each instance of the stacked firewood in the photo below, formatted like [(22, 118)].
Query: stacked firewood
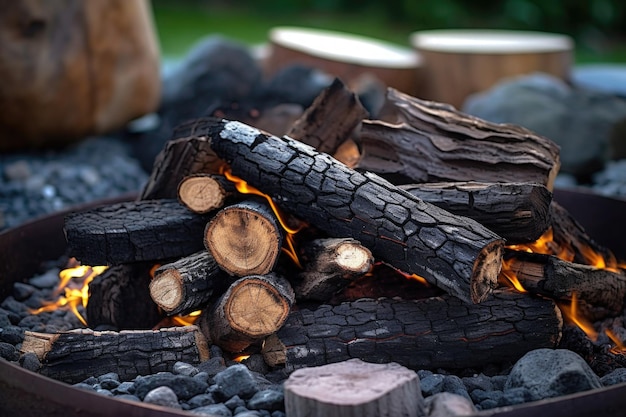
[(424, 191)]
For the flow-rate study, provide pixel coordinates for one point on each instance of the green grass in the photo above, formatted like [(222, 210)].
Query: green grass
[(180, 24)]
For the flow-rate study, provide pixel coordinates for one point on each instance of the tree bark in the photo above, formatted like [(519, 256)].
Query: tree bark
[(451, 252), (330, 120), (187, 284), (423, 141), (431, 333), (601, 290), (76, 355), (354, 388), (119, 297), (202, 193), (329, 266), (245, 238), (519, 212), (252, 308), (151, 230)]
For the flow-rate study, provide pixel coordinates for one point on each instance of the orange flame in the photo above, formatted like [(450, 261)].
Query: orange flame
[(241, 358), (75, 286), (186, 320), (245, 188), (571, 313), (619, 347), (510, 276)]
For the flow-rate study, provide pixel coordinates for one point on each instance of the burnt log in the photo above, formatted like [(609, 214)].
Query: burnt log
[(452, 252), (151, 230), (245, 238), (431, 333), (119, 298), (354, 388), (75, 355), (519, 212), (202, 193), (187, 284), (422, 141), (329, 266), (600, 292), (187, 153), (252, 308), (330, 119)]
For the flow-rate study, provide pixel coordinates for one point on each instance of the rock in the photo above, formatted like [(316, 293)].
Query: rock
[(548, 373), (269, 399), (236, 380), (9, 352), (183, 386), (616, 377), (445, 404), (454, 385), (182, 368), (164, 396), (576, 119), (606, 77), (215, 410), (201, 400), (431, 384)]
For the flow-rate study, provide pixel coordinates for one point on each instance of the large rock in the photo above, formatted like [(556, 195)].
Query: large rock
[(548, 373), (579, 120)]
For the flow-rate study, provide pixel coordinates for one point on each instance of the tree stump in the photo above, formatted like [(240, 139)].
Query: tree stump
[(354, 388)]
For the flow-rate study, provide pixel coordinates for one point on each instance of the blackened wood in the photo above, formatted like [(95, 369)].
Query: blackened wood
[(519, 212), (202, 193), (252, 308), (245, 238), (426, 141), (451, 252), (431, 333), (354, 388), (601, 290), (119, 298), (150, 230), (329, 266), (330, 120), (188, 152), (187, 284), (76, 355)]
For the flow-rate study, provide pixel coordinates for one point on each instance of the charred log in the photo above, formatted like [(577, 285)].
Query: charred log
[(451, 252), (151, 230), (437, 332), (119, 298), (187, 284), (519, 212), (202, 193), (426, 141), (252, 308), (78, 354)]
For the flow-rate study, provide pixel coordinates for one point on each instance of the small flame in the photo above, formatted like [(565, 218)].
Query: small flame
[(406, 275), (245, 188), (571, 313), (510, 276), (186, 320), (241, 358), (74, 285), (619, 347)]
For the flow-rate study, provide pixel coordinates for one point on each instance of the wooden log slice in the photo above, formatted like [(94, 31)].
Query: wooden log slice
[(245, 238), (76, 355), (187, 284), (454, 253), (354, 388), (252, 308), (151, 230), (202, 193)]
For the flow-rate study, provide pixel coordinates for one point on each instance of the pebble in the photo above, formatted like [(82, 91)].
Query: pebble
[(164, 396)]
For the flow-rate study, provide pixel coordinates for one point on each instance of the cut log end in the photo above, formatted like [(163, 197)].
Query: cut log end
[(201, 194), (167, 290), (486, 270), (256, 308), (352, 256)]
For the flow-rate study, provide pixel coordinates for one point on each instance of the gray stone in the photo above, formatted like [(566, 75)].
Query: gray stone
[(45, 281), (201, 400), (212, 366), (431, 384), (9, 352), (236, 380), (234, 402), (164, 396), (213, 410), (481, 381), (22, 291), (579, 120), (454, 385), (30, 361), (606, 77), (616, 377), (515, 396), (445, 404), (547, 373), (268, 399), (182, 368), (185, 387)]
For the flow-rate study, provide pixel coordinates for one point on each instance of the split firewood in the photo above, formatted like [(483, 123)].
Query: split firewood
[(431, 333), (150, 230), (202, 193), (519, 212), (119, 298), (454, 253), (424, 141), (187, 153), (245, 238), (600, 291), (75, 355), (187, 284), (330, 120), (354, 388), (252, 308), (329, 266)]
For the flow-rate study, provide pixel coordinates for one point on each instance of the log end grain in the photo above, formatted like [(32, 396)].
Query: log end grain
[(201, 193), (166, 290), (486, 271)]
